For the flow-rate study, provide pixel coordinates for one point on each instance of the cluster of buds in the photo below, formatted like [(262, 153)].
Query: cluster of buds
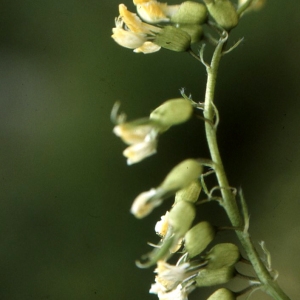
[(175, 27), (195, 268)]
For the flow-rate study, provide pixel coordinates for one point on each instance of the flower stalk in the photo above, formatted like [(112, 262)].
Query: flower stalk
[(270, 286)]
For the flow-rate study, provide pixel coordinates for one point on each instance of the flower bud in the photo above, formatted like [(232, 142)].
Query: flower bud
[(190, 193), (223, 294), (198, 238), (195, 31), (210, 277), (190, 12), (223, 12), (173, 38), (181, 176), (172, 112), (222, 255), (181, 217)]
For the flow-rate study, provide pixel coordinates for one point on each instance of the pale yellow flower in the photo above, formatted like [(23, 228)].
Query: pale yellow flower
[(145, 203), (137, 152), (155, 12), (141, 135), (130, 32)]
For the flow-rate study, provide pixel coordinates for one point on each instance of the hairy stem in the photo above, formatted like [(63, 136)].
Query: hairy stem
[(269, 285)]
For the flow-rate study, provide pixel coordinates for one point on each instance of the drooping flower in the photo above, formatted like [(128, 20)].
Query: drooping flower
[(178, 178), (141, 135), (130, 32), (144, 203)]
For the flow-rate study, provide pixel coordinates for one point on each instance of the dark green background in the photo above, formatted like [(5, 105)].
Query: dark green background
[(65, 227)]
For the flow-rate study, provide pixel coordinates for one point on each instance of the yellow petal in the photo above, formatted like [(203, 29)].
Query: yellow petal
[(152, 12), (134, 23)]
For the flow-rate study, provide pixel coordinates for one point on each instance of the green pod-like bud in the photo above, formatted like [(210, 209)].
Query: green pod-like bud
[(190, 193), (222, 294), (181, 217), (173, 38), (208, 277), (195, 31), (222, 255), (198, 238), (172, 112), (181, 176), (190, 12), (223, 12)]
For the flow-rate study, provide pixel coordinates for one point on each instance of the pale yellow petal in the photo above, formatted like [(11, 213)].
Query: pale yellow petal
[(147, 47), (152, 12), (128, 39), (134, 23)]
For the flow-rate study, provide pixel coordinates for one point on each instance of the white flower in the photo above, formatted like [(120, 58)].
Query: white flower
[(137, 152), (130, 32), (180, 293), (145, 203), (141, 135), (171, 272)]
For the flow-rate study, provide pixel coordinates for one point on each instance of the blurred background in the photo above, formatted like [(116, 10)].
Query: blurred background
[(65, 189)]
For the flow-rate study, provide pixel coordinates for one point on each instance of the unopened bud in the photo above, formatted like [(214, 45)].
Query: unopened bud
[(172, 112), (222, 255), (195, 31), (181, 176), (208, 277), (223, 12), (173, 38), (190, 12), (181, 217), (190, 193), (198, 238), (223, 294)]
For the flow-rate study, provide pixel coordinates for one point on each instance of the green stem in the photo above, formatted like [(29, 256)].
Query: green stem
[(229, 202)]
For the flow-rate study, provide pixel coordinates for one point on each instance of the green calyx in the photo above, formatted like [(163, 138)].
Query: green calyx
[(198, 238), (208, 277), (190, 12), (223, 294), (172, 112), (222, 255), (173, 38), (223, 12)]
